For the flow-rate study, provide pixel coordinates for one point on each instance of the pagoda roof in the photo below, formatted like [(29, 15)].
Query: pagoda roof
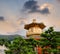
[(41, 25)]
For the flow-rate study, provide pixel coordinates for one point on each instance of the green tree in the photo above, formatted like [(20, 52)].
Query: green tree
[(4, 42), (49, 41), (20, 46)]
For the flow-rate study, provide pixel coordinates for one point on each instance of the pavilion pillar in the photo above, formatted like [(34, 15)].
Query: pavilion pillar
[(39, 50)]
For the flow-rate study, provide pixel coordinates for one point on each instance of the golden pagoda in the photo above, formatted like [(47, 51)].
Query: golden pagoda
[(34, 29)]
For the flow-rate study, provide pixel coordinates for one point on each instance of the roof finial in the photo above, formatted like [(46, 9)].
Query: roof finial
[(34, 20)]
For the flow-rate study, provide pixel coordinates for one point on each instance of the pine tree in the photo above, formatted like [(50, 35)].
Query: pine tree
[(50, 41), (20, 46)]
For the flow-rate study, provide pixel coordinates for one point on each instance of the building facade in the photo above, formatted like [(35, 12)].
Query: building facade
[(34, 30)]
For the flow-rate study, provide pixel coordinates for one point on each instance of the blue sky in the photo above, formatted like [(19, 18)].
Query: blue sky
[(14, 14)]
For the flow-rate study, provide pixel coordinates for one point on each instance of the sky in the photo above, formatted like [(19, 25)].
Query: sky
[(14, 14)]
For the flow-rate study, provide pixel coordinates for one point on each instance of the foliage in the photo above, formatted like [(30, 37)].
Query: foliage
[(4, 42), (50, 42), (20, 46)]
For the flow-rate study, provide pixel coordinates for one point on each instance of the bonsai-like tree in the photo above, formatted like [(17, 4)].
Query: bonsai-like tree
[(20, 46), (50, 42)]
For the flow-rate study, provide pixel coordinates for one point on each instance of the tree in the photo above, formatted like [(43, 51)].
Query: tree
[(49, 41), (4, 42), (20, 46)]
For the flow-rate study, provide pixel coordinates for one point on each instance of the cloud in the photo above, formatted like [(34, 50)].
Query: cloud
[(8, 20), (58, 0), (19, 26), (6, 27), (22, 21), (9, 27), (14, 20), (55, 22), (44, 11), (2, 18), (32, 6)]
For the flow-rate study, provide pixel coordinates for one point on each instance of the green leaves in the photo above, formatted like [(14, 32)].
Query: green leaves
[(51, 40), (21, 46), (26, 46)]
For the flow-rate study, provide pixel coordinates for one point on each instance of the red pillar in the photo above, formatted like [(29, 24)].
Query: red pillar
[(39, 50)]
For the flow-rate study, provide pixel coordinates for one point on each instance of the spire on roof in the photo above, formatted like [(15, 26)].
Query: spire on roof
[(34, 20)]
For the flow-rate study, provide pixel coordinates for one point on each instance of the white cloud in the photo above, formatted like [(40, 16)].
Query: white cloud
[(14, 22), (46, 5)]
